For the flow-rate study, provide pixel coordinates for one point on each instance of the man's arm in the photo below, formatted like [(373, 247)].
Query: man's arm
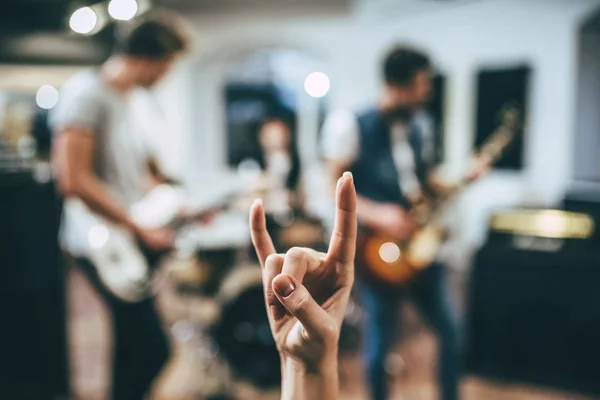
[(438, 184), (480, 166), (158, 175), (72, 156)]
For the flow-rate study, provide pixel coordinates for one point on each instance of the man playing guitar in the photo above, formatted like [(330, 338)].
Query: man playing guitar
[(390, 155), (101, 160)]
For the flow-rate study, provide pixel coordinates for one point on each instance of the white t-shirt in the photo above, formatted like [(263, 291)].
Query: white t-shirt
[(117, 123), (278, 165), (341, 142)]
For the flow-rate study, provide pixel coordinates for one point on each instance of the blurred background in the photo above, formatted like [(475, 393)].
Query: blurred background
[(523, 278)]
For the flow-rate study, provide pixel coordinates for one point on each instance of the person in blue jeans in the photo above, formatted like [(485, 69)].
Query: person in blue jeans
[(389, 149), (429, 293)]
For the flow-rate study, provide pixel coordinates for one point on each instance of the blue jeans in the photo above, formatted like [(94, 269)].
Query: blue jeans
[(431, 296)]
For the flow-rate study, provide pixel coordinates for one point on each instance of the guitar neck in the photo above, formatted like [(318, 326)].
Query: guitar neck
[(492, 148), (439, 210), (458, 188)]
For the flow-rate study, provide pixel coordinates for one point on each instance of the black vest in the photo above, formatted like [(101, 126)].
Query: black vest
[(374, 171)]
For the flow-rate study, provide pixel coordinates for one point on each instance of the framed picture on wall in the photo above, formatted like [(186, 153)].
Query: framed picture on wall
[(247, 106), (499, 90), (436, 110)]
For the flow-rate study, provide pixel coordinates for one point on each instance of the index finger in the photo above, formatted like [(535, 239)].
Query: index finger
[(260, 236), (342, 247)]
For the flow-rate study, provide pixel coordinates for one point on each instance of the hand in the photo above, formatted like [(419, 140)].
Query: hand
[(306, 294), (207, 217), (481, 165), (203, 218), (155, 239), (393, 220)]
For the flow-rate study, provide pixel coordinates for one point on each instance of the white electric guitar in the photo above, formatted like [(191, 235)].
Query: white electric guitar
[(115, 251)]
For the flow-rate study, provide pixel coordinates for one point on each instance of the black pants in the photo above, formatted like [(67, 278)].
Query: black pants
[(140, 343)]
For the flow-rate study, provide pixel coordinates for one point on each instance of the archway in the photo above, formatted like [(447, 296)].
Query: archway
[(235, 87)]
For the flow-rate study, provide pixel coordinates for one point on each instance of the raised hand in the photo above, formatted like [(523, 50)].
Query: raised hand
[(306, 293)]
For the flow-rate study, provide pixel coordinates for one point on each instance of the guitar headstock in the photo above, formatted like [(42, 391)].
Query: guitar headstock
[(510, 122)]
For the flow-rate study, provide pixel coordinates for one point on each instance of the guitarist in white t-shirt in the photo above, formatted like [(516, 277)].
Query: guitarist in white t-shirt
[(101, 162)]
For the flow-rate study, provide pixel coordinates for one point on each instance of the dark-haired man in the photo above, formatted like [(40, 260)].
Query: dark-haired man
[(389, 151), (101, 159)]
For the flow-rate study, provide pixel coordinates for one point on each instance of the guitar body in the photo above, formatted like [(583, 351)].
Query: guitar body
[(120, 262), (125, 269), (394, 263), (390, 262)]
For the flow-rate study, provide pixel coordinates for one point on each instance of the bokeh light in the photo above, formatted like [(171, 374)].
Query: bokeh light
[(122, 10), (46, 97), (317, 84), (83, 20)]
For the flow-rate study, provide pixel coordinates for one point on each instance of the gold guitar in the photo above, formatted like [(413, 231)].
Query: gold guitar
[(392, 262)]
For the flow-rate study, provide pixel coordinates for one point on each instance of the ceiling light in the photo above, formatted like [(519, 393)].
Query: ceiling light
[(83, 20), (316, 84), (46, 97), (123, 10)]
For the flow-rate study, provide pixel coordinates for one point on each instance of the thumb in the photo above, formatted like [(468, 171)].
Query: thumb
[(298, 301)]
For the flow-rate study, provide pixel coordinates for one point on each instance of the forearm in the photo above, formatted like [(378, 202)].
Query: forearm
[(96, 195), (73, 159), (443, 186), (302, 383), (365, 210), (438, 184), (292, 380)]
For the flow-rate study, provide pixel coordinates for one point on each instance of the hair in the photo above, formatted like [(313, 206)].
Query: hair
[(293, 178), (274, 119), (158, 37), (402, 63)]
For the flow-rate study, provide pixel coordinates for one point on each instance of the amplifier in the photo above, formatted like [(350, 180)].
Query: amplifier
[(33, 338), (534, 303), (543, 230)]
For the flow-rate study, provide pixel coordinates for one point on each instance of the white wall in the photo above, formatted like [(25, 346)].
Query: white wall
[(174, 100), (461, 39)]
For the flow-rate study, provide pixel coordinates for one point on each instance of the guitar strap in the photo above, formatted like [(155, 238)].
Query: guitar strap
[(422, 165)]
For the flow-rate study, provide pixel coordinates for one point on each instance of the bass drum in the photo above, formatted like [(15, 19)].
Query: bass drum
[(243, 333), (351, 332)]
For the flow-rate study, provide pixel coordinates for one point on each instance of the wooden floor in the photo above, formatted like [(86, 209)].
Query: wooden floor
[(191, 375)]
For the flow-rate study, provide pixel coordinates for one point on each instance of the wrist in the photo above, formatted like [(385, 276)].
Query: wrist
[(314, 367), (131, 226), (309, 380)]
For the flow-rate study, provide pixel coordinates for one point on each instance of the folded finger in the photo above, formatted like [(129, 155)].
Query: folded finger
[(298, 301), (273, 265), (298, 261)]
